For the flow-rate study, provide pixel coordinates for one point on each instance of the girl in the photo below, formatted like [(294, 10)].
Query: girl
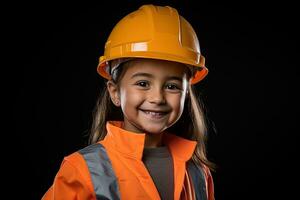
[(147, 138)]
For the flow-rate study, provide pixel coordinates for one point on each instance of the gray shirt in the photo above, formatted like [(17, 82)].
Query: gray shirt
[(159, 163)]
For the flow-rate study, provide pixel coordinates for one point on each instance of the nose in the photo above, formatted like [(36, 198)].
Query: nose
[(156, 96)]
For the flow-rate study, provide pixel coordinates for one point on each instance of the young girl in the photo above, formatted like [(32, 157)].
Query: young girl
[(147, 139)]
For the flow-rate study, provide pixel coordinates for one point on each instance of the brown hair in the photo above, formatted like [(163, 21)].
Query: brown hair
[(191, 125)]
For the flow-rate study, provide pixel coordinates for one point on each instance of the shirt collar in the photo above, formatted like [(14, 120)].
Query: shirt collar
[(131, 144)]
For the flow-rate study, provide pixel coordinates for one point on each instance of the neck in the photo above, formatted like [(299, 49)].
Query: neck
[(153, 140)]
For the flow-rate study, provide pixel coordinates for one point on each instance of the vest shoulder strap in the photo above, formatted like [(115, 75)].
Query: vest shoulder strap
[(198, 179), (103, 177)]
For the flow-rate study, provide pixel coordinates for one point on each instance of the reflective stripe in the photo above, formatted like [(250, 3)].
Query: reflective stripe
[(198, 179), (100, 168), (105, 182)]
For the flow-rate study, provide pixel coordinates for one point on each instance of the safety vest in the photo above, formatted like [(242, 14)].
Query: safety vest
[(113, 169), (105, 181)]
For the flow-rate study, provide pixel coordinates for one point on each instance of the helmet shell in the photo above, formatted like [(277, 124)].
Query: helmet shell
[(156, 32)]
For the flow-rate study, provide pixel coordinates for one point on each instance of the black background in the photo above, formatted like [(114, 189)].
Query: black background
[(250, 50)]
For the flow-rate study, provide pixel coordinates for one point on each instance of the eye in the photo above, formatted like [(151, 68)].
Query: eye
[(142, 83), (172, 86)]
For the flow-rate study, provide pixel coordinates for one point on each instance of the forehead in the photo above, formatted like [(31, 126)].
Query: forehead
[(158, 68)]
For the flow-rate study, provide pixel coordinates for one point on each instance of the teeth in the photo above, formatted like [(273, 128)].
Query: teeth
[(154, 113)]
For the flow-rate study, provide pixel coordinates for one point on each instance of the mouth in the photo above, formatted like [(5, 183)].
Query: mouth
[(155, 114)]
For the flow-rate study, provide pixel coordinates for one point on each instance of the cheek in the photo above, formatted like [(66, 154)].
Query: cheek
[(130, 99), (177, 103)]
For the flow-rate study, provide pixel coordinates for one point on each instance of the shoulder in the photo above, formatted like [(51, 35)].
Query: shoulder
[(202, 177), (197, 172), (203, 169), (209, 183), (72, 180), (78, 159), (75, 161), (207, 171), (74, 166)]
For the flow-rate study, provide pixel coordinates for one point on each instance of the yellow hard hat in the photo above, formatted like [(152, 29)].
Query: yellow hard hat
[(156, 32)]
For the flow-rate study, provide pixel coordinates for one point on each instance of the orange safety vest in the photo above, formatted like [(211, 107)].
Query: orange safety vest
[(113, 169)]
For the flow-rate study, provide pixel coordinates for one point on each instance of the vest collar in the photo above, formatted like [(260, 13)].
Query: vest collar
[(131, 144)]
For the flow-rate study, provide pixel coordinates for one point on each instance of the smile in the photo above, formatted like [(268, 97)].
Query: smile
[(155, 114)]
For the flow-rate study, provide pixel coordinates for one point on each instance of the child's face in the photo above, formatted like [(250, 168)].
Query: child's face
[(152, 95)]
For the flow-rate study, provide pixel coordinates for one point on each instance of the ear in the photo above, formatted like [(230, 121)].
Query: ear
[(113, 93)]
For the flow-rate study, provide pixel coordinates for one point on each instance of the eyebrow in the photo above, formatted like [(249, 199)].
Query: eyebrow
[(152, 76), (142, 74)]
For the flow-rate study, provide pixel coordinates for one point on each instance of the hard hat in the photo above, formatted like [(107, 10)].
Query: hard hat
[(156, 32)]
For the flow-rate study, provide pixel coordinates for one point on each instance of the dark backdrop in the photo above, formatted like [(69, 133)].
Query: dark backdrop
[(249, 93)]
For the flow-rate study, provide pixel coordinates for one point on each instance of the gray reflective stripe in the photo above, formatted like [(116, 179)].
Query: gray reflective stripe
[(198, 180), (100, 168)]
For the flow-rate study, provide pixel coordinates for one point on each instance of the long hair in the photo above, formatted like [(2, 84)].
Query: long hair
[(191, 125)]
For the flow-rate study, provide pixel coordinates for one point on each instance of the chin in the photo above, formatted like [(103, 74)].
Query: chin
[(154, 130)]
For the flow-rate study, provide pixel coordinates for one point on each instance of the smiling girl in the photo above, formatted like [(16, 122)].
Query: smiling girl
[(147, 139)]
